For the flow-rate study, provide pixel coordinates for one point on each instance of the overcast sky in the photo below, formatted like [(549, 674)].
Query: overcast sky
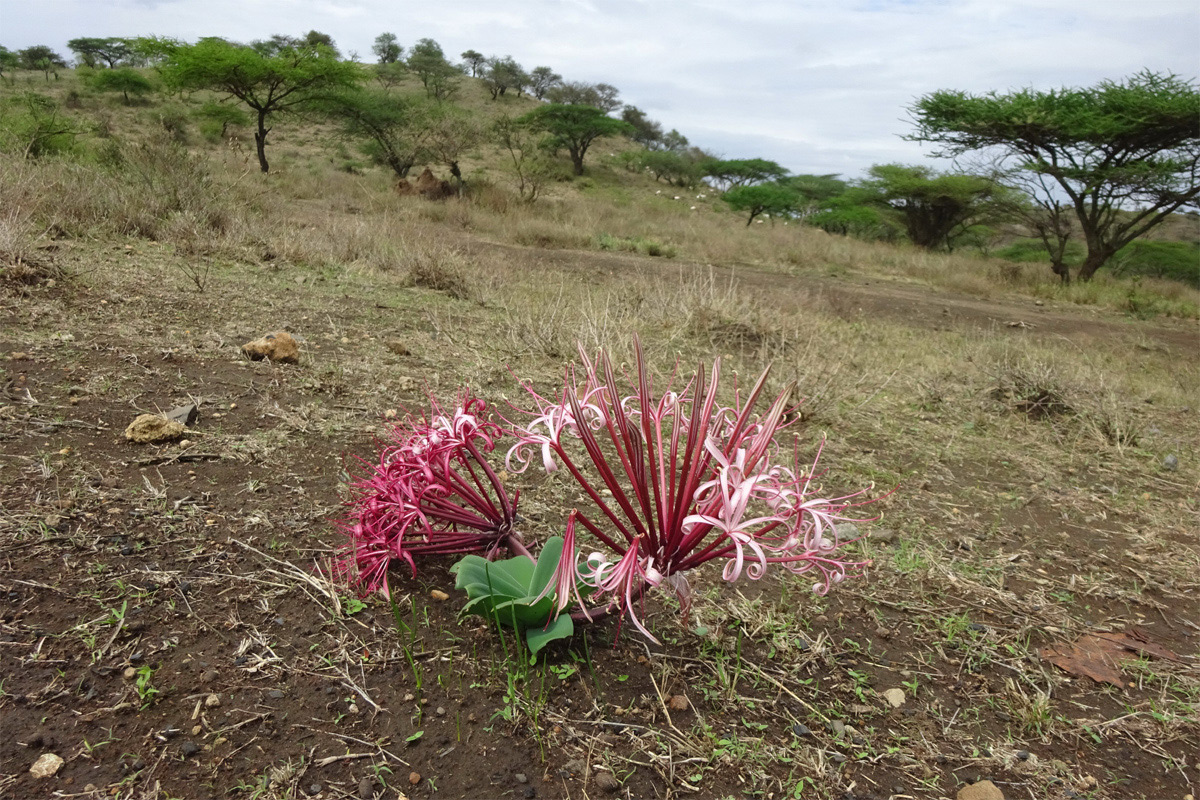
[(820, 87)]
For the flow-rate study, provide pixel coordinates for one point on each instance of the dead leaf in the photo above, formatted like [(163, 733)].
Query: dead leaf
[(1099, 655)]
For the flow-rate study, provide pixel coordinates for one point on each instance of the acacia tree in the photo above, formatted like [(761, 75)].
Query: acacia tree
[(732, 173), (934, 207), (292, 78), (8, 60), (502, 74), (395, 128), (90, 50), (474, 61), (42, 58), (387, 48), (437, 75), (1124, 154), (574, 127), (646, 131), (542, 80), (124, 80), (763, 198)]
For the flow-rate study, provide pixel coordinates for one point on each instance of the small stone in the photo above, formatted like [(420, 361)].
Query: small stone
[(189, 748), (606, 782), (353, 708), (212, 701), (313, 789), (801, 730), (521, 777), (441, 711), (1023, 755), (209, 676), (151, 429), (408, 698), (530, 793), (414, 778), (837, 727), (184, 415), (894, 697), (275, 694), (130, 673), (847, 531), (197, 730), (280, 347), (883, 536), (984, 790), (1171, 463), (678, 702), (438, 594), (837, 758), (47, 765), (366, 789)]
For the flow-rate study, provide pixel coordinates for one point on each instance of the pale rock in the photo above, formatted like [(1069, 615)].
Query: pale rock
[(151, 429), (47, 766), (279, 347), (895, 697), (984, 790)]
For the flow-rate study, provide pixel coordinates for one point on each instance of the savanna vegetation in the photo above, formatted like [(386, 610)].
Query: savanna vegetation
[(598, 339)]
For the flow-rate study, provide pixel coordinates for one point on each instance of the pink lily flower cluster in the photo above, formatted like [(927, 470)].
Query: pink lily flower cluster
[(432, 492), (675, 481)]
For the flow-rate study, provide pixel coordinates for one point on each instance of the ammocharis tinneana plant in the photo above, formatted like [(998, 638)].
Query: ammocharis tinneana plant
[(674, 480)]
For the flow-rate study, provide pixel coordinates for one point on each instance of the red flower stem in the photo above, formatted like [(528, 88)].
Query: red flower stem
[(592, 493)]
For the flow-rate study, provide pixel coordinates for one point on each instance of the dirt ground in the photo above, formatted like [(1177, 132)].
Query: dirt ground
[(168, 629)]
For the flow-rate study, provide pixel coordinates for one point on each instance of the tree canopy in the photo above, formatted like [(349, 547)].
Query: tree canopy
[(1123, 154), (574, 127), (733, 173), (763, 198), (90, 51), (124, 80), (387, 48), (293, 76), (439, 77), (934, 207), (41, 58)]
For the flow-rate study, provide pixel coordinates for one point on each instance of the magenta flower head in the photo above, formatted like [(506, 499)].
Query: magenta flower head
[(432, 491), (676, 481)]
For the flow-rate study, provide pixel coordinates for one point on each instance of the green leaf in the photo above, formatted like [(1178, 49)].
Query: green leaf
[(537, 638)]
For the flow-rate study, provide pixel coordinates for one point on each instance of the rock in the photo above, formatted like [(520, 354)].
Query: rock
[(275, 694), (47, 766), (189, 748), (212, 701), (151, 428), (313, 789), (1023, 755), (606, 782), (1171, 463), (438, 594), (678, 702), (366, 789), (130, 673), (280, 347), (530, 793), (801, 730), (184, 415), (847, 531), (984, 790), (414, 778), (521, 777), (883, 536), (895, 697), (837, 727)]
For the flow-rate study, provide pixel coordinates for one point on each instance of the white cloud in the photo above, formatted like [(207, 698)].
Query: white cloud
[(818, 86)]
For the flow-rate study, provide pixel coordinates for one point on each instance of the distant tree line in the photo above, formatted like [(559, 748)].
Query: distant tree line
[(1088, 169)]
